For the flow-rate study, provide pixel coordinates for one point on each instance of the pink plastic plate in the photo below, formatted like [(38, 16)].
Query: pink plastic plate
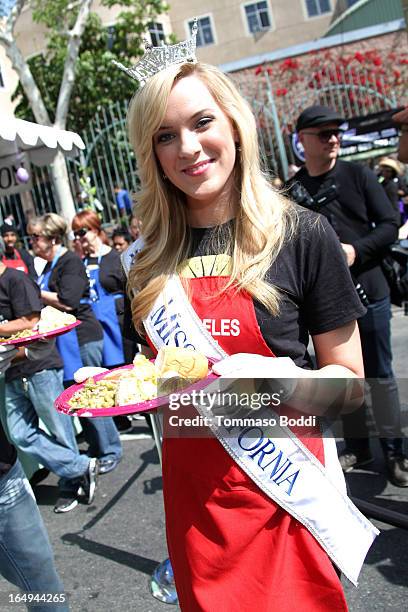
[(29, 339), (62, 401)]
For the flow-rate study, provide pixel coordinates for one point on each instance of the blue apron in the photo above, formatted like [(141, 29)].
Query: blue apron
[(103, 305), (67, 345)]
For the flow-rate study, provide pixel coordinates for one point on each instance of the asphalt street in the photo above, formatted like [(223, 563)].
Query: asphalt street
[(106, 552)]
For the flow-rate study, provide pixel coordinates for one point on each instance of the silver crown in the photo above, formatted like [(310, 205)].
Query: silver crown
[(156, 59)]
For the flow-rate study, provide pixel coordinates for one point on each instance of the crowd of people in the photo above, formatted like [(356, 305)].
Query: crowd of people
[(285, 269), (90, 287)]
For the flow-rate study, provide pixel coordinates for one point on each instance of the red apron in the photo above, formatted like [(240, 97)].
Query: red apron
[(17, 263), (231, 547)]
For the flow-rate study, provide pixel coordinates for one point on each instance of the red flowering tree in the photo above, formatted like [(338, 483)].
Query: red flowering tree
[(355, 82)]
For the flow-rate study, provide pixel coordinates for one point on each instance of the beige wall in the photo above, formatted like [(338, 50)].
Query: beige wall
[(10, 83), (31, 35), (290, 26)]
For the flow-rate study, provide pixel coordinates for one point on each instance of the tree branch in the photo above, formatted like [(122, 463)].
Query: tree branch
[(68, 78), (20, 65)]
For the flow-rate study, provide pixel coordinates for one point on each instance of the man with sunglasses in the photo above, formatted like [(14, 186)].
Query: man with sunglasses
[(366, 224)]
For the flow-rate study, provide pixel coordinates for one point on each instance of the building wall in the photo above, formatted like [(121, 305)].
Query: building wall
[(290, 25), (31, 36), (9, 83)]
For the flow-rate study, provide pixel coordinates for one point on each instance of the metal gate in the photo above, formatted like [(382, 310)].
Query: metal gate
[(25, 205), (108, 160), (277, 98)]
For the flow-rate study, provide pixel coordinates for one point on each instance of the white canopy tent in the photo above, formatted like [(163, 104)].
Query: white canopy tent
[(23, 143), (40, 142)]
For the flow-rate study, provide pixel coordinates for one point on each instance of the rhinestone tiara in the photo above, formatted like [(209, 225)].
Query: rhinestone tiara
[(156, 59)]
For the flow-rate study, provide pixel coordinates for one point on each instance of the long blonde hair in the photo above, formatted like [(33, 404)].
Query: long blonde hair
[(264, 220)]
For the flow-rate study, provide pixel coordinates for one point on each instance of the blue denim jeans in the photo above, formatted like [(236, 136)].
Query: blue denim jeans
[(100, 433), (31, 399), (26, 558), (375, 332)]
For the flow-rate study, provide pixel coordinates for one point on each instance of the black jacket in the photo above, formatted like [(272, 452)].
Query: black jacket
[(361, 215)]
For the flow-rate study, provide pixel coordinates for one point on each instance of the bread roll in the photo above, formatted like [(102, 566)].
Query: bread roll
[(181, 362), (51, 318)]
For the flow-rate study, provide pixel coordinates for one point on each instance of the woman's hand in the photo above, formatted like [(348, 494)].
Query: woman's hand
[(281, 373), (248, 365), (86, 372), (334, 388)]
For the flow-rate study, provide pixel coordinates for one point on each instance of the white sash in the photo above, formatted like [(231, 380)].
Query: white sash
[(273, 457), (129, 255)]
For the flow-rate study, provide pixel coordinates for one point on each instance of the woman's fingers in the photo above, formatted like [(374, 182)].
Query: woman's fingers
[(86, 372)]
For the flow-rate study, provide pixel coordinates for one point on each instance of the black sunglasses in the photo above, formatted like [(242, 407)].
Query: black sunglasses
[(35, 236), (80, 233), (325, 135)]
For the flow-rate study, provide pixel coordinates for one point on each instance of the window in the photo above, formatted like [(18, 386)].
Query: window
[(317, 7), (351, 2), (111, 36), (257, 15), (156, 33), (205, 32)]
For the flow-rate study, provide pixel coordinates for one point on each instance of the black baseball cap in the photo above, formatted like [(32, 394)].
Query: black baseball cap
[(8, 227), (314, 116)]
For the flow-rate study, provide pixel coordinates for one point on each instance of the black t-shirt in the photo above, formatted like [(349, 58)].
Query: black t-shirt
[(27, 258), (111, 274), (20, 297), (317, 293), (362, 216), (8, 453), (69, 280)]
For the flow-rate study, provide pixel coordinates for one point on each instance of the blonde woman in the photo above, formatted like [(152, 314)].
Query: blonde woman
[(228, 266)]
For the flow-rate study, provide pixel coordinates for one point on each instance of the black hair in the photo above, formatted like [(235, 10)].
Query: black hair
[(123, 233)]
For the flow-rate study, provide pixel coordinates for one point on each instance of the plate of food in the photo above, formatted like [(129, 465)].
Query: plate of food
[(141, 386), (53, 322)]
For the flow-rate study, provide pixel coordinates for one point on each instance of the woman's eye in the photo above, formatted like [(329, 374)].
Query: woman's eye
[(204, 121), (165, 137)]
